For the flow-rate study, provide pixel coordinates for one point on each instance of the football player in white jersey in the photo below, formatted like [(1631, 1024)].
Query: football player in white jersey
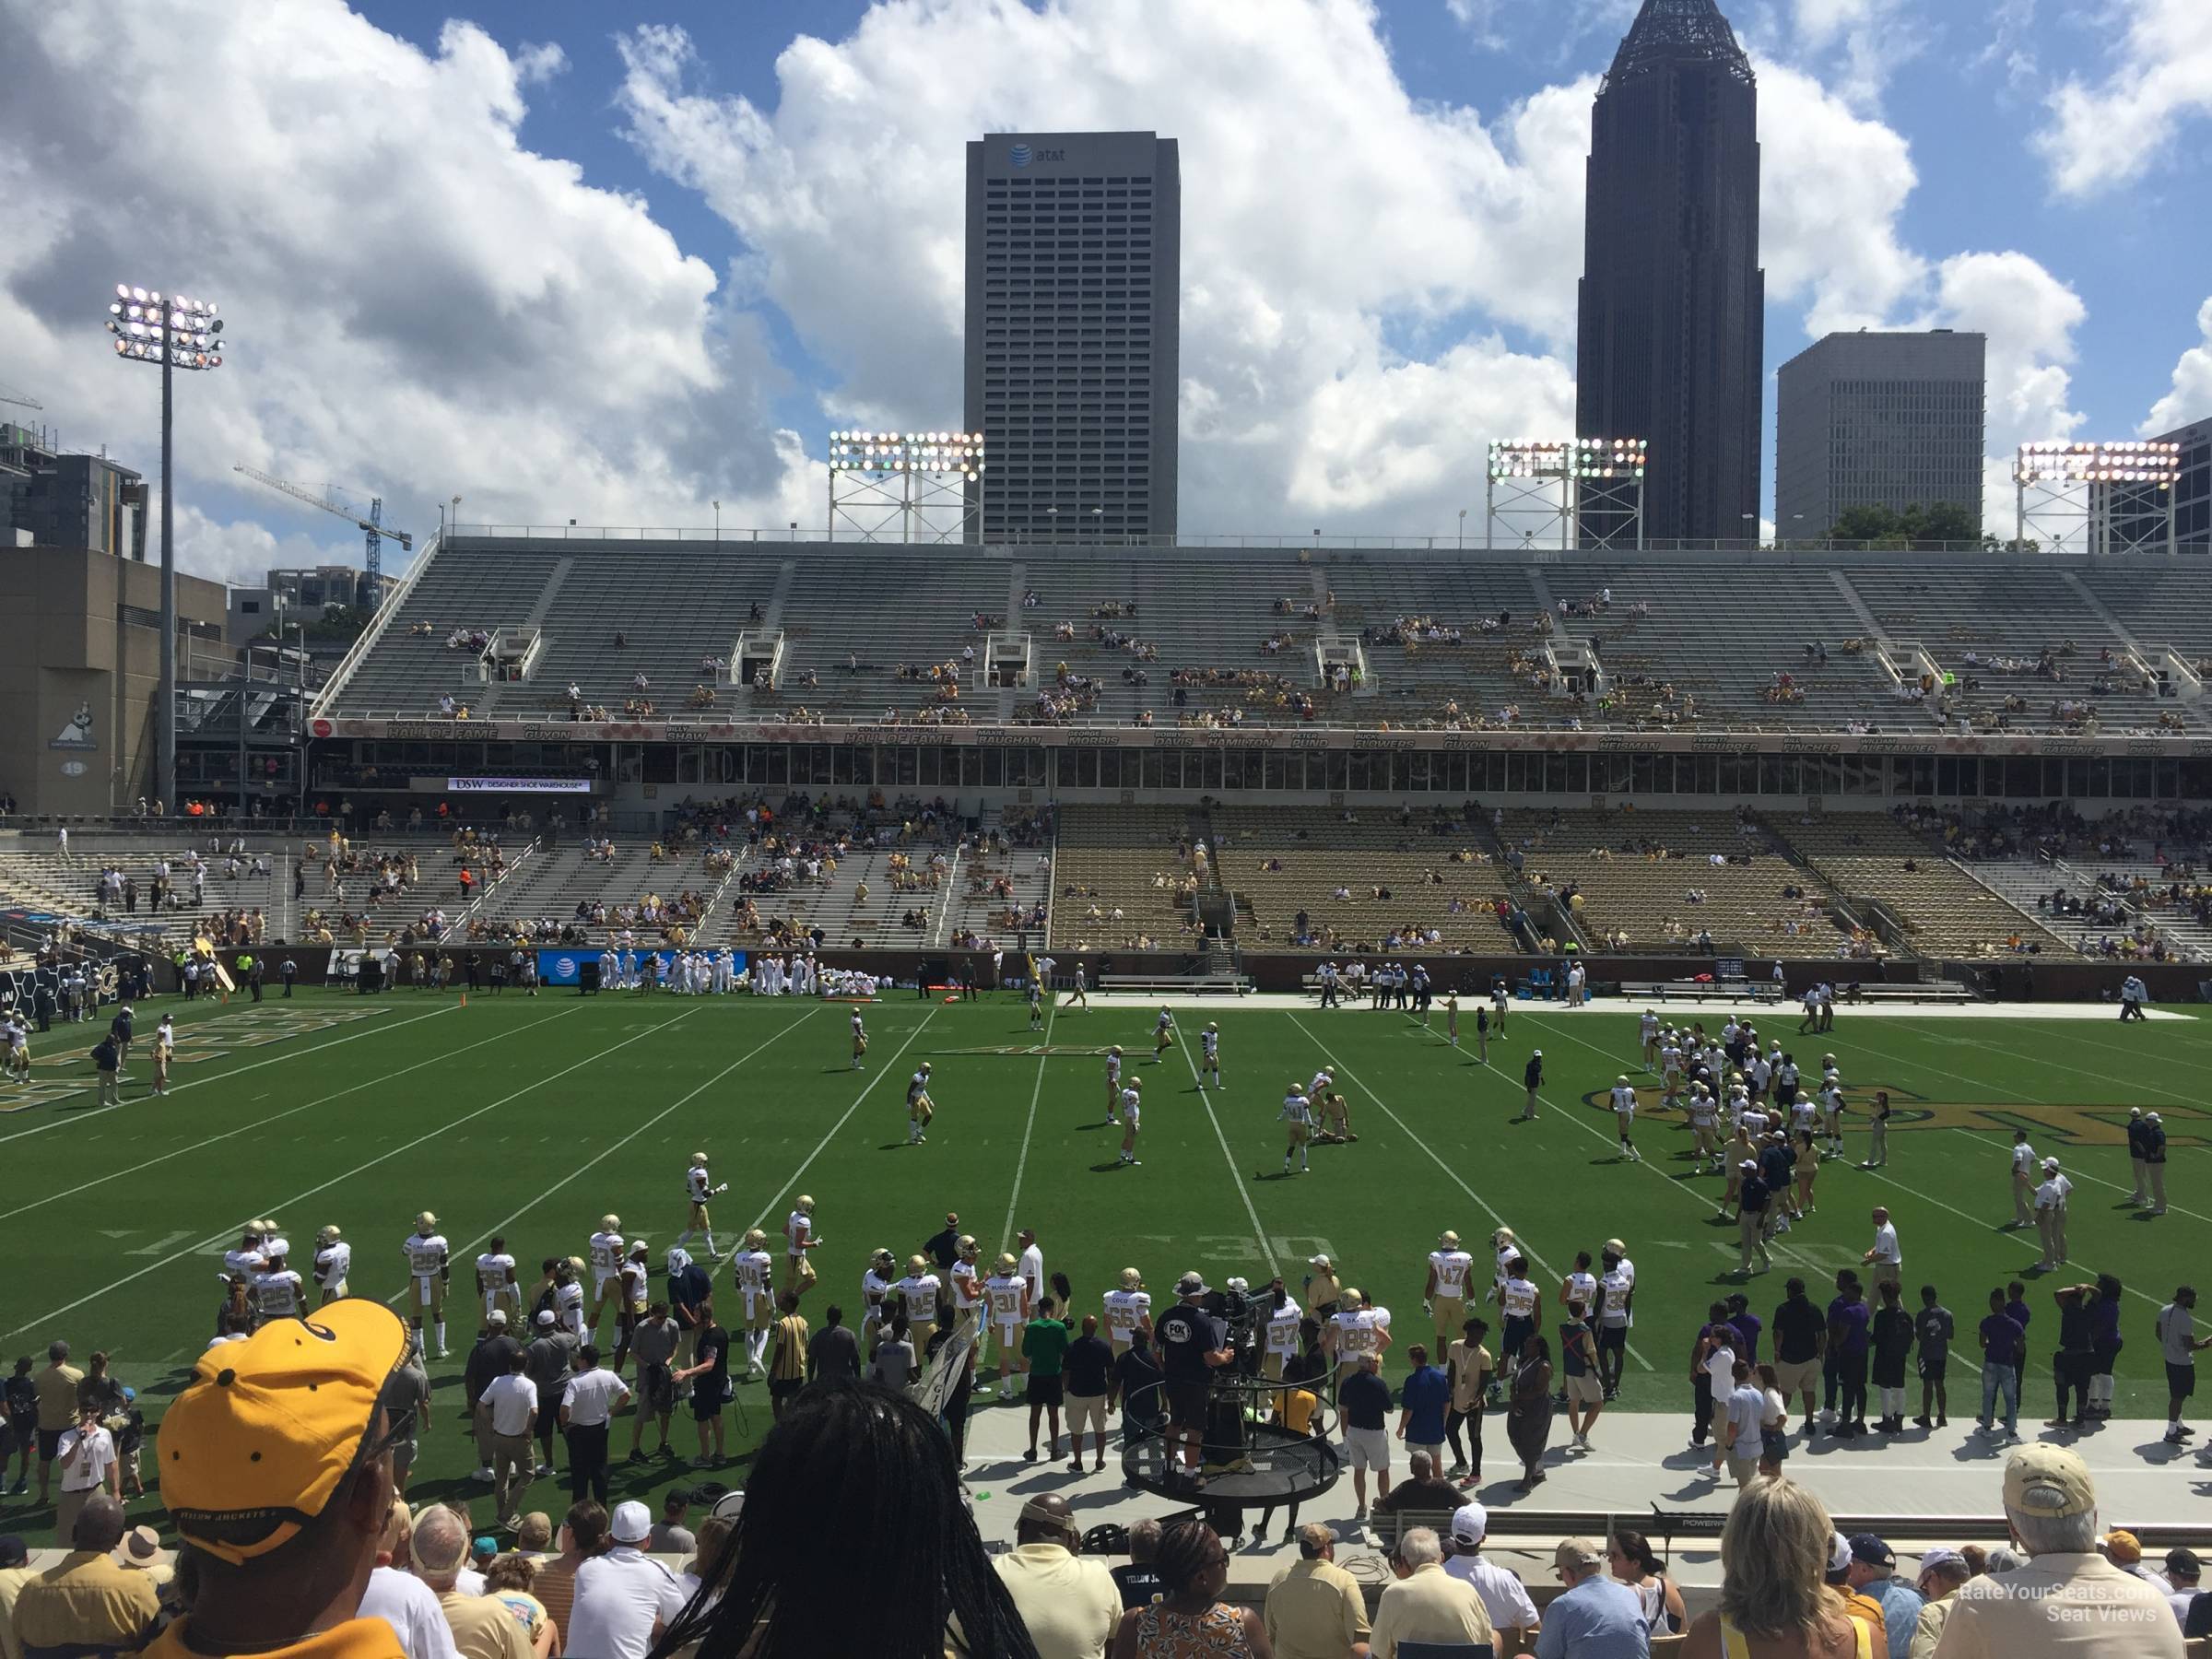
[(568, 1296), (1163, 1034), (860, 1042), (1523, 1305), (250, 1258), (919, 1108), (798, 1240), (1702, 1111), (2024, 1166), (1648, 1027), (1132, 1099), (699, 1186), (1615, 1312), (605, 1254), (1007, 1295), (277, 1289), (165, 1050), (967, 1287), (429, 1270), (918, 1293), (1670, 1067), (1624, 1115), (1128, 1311), (874, 1285), (1113, 1084), (497, 1285), (1357, 1329), (1832, 1115), (1078, 994), (752, 1271), (634, 1296), (1580, 1287), (18, 1035), (1298, 1123), (1284, 1319), (1507, 1247), (1209, 1048), (1445, 1294), (332, 1257)]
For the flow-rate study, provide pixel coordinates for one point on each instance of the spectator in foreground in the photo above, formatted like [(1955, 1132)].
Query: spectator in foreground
[(625, 1600), (482, 1627), (870, 1469), (1191, 1619), (1592, 1616), (1873, 1573), (1427, 1604), (669, 1534), (1071, 1605), (396, 1596), (1632, 1560), (88, 1603), (281, 1546), (1314, 1608), (583, 1535), (1505, 1598), (2069, 1598), (1423, 1491), (1774, 1596), (1941, 1573), (1138, 1578)]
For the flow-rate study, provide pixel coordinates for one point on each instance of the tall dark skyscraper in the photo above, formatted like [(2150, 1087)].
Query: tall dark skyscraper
[(1074, 273), (1672, 327)]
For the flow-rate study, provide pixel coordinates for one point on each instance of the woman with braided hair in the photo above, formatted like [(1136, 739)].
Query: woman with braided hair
[(855, 1479), (1190, 1621)]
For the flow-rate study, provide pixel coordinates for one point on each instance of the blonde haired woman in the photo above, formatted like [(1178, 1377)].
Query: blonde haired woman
[(1776, 1603)]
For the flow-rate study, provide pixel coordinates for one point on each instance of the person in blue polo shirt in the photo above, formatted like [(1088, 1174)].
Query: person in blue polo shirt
[(2003, 1342), (1424, 1399)]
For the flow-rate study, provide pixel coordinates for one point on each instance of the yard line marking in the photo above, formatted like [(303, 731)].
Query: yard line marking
[(823, 1145), (261, 1122), (2050, 1064), (1021, 1164), (633, 1134), (1526, 1250), (237, 1071), (215, 1239), (2037, 1100), (1236, 1171)]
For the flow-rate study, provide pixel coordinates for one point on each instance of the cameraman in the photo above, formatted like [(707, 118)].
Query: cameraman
[(1191, 1347)]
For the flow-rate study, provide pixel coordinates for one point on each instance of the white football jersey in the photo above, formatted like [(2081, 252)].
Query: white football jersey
[(1581, 1288), (1322, 1082), (1360, 1332), (1211, 1042), (750, 1270), (917, 1086), (637, 1281), (1163, 1022), (243, 1263), (798, 1227), (1832, 1101), (605, 1254), (1450, 1267), (1129, 1098), (1670, 1058), (1801, 1114), (1297, 1108), (494, 1271), (1624, 1099), (1125, 1310), (967, 1286), (1650, 1026), (1617, 1285), (1700, 1110), (1519, 1299), (276, 1295), (1114, 1070), (1006, 1291), (331, 1262), (567, 1306), (698, 1185), (874, 1287), (919, 1293), (426, 1255), (1505, 1255), (1282, 1329)]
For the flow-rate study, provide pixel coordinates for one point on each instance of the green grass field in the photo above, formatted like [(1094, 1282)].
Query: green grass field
[(532, 1118)]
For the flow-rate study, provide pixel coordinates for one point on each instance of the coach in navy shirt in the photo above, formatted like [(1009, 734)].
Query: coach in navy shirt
[(2003, 1343)]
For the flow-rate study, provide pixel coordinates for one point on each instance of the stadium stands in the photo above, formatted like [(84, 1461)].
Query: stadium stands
[(1944, 911), (1769, 642), (1124, 874)]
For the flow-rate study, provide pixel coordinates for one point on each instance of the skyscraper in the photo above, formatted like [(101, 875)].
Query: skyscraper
[(1892, 420), (1074, 288), (1672, 323)]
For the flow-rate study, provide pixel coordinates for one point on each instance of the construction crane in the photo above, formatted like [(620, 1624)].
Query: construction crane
[(9, 394), (373, 525)]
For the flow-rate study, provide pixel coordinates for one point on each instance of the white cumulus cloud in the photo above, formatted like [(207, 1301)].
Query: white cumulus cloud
[(2115, 130), (419, 303), (2191, 398)]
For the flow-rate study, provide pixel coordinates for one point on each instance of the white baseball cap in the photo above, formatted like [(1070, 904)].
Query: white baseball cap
[(632, 1523), (1470, 1523)]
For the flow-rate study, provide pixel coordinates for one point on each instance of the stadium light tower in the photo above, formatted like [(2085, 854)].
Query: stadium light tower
[(174, 332), (2097, 497), (906, 481), (1583, 491)]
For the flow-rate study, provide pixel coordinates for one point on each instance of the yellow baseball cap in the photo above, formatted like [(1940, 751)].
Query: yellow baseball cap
[(266, 1429), (2048, 1481)]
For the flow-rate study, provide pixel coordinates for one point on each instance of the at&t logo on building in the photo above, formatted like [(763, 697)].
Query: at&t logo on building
[(1022, 155)]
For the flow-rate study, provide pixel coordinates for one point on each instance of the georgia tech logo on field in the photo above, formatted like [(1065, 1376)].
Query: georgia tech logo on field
[(2065, 1125)]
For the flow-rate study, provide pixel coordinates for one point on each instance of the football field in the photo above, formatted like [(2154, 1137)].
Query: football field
[(531, 1118)]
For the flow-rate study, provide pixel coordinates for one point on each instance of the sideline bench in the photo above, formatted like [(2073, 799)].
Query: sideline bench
[(1201, 984)]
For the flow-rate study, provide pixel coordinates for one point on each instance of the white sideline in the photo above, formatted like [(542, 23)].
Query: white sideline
[(215, 1239), (263, 1123), (224, 1077)]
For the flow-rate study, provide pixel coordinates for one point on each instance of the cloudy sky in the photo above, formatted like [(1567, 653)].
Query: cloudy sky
[(612, 263)]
